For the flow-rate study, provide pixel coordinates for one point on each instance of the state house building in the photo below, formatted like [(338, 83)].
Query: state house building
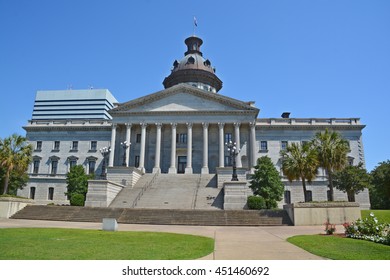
[(178, 132)]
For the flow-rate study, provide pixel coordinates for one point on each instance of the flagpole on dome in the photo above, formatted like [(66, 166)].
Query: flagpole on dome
[(195, 25)]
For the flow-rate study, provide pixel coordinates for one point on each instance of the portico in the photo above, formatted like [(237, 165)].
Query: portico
[(179, 147)]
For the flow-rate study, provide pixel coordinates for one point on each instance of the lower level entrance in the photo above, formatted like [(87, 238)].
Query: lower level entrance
[(181, 164)]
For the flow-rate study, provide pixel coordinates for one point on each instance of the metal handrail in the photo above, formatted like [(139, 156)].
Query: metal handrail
[(144, 188), (196, 192)]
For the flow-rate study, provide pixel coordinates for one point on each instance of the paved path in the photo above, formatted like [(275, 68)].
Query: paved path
[(231, 243)]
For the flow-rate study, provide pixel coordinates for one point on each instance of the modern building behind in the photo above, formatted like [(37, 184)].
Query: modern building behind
[(180, 129)]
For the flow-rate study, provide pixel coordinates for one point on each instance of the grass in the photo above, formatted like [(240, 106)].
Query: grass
[(79, 244), (337, 247), (382, 215)]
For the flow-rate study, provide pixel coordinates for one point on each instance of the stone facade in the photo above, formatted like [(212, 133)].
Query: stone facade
[(181, 129)]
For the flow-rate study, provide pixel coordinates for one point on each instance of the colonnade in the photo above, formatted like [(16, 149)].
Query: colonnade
[(188, 168)]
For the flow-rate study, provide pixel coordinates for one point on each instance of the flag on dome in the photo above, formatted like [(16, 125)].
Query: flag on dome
[(195, 22)]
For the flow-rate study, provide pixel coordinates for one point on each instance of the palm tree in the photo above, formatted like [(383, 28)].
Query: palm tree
[(332, 152), (300, 162), (15, 155)]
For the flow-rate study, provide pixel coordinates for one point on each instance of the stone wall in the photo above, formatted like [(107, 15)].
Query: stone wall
[(304, 214), (10, 205), (101, 193)]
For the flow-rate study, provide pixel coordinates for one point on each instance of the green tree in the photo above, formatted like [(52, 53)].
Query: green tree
[(352, 180), (266, 182), (77, 181), (332, 152), (380, 191), (300, 162), (15, 157)]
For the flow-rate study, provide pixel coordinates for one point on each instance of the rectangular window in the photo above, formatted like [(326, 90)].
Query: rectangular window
[(91, 167), (72, 163), (75, 145), (304, 143), (93, 145), (228, 137), (287, 197), (136, 161), (54, 166), (309, 196), (50, 195), (181, 138), (350, 161), (284, 145), (228, 161), (38, 147), (263, 146), (138, 138), (56, 145), (36, 166), (32, 193)]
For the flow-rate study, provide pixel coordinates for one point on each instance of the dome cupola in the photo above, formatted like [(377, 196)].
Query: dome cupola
[(193, 69)]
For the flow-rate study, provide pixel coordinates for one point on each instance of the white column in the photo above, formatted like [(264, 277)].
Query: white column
[(128, 134), (253, 143), (238, 145), (142, 151), (205, 167), (172, 168), (221, 145), (112, 147), (157, 168), (188, 169)]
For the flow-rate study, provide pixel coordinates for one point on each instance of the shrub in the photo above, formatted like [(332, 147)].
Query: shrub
[(256, 202), (77, 199), (329, 228), (369, 229)]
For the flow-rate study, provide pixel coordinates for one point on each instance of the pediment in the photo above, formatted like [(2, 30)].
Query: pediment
[(183, 98)]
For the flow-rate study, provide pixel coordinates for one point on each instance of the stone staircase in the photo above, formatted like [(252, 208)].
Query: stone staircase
[(156, 216), (172, 191), (128, 195)]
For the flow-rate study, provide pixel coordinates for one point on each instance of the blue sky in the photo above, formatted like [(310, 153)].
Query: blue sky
[(313, 58)]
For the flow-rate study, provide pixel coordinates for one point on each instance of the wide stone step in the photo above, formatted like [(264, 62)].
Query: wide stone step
[(155, 216)]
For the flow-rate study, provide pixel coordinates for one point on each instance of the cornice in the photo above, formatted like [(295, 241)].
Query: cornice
[(66, 128), (309, 127), (173, 113), (183, 88)]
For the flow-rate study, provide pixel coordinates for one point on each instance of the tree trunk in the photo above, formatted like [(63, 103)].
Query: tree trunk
[(6, 181), (330, 179), (304, 189), (351, 196)]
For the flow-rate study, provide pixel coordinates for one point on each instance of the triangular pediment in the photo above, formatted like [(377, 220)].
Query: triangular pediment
[(183, 98)]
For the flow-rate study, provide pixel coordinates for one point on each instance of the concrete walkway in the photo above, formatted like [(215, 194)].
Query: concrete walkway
[(231, 243)]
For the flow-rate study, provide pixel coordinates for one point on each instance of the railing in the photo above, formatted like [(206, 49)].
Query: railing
[(196, 192), (308, 121), (143, 190)]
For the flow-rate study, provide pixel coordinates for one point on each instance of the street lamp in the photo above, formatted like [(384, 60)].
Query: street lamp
[(232, 148), (125, 146), (104, 151)]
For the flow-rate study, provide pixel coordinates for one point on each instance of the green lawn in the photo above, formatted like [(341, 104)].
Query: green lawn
[(78, 244), (341, 248), (382, 215)]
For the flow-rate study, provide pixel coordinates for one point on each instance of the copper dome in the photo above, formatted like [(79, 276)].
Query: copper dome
[(193, 67)]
